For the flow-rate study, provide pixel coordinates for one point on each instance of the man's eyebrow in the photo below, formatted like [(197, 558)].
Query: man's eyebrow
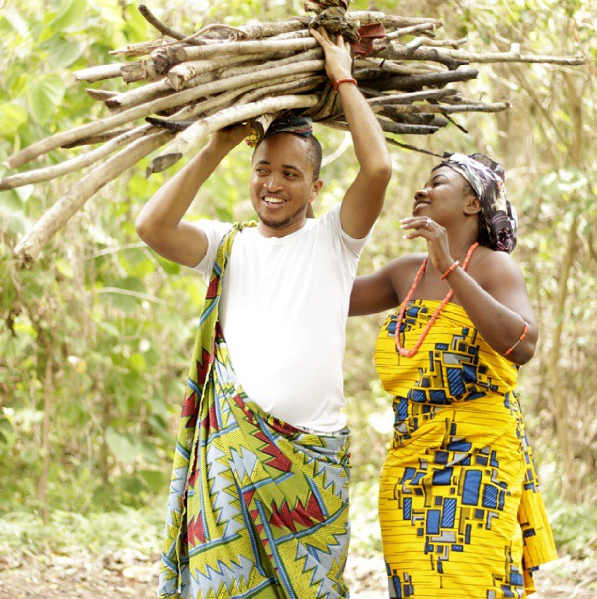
[(293, 167), (286, 166)]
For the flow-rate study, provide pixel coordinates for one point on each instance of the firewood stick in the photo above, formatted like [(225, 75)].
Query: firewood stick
[(140, 48), (433, 94), (74, 164), (425, 28), (415, 82), (97, 139), (178, 99), (218, 102), (260, 30), (315, 54), (165, 58), (185, 73), (59, 214), (98, 73), (140, 70), (100, 95), (286, 85), (368, 17), (386, 125), (514, 56), (424, 41), (161, 27), (441, 108), (140, 95), (401, 52), (406, 129), (390, 66), (189, 138)]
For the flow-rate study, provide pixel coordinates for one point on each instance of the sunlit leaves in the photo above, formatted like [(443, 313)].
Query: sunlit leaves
[(62, 52), (70, 12), (43, 95), (7, 434), (12, 116)]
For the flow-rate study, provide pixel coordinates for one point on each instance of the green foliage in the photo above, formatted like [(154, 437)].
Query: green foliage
[(574, 527), (69, 532)]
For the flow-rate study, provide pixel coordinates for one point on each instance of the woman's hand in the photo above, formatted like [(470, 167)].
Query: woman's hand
[(436, 237), (338, 61)]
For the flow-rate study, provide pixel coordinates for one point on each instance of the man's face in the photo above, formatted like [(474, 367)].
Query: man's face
[(281, 184)]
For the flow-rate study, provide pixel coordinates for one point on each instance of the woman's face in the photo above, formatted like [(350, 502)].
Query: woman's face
[(444, 196)]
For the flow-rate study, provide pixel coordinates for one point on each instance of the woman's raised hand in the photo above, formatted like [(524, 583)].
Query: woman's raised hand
[(436, 237)]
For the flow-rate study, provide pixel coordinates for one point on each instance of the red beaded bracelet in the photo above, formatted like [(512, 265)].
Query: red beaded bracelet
[(525, 330), (344, 80), (450, 269)]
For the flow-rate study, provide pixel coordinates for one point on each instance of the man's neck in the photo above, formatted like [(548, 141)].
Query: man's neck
[(284, 231)]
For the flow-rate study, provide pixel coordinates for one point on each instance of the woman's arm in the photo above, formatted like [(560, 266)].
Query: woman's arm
[(498, 305), (493, 292)]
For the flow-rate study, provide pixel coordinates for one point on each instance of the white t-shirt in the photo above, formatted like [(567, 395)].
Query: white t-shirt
[(283, 312)]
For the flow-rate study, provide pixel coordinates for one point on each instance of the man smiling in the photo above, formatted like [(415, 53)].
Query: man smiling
[(259, 494)]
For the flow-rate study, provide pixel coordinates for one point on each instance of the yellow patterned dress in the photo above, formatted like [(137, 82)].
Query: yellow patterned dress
[(461, 515)]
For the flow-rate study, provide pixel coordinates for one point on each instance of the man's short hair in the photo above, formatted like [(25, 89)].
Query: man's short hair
[(314, 154), (314, 151)]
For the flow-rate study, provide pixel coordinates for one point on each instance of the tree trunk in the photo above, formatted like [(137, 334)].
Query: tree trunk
[(559, 393), (42, 483)]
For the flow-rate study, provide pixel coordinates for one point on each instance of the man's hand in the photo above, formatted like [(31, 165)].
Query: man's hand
[(338, 61), (232, 135)]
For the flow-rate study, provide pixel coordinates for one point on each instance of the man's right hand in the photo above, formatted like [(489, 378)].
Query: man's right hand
[(160, 222), (232, 135)]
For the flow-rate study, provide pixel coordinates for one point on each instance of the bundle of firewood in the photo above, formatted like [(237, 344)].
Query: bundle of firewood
[(189, 87)]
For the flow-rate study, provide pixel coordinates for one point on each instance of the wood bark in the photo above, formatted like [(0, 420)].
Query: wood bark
[(235, 114), (79, 162), (54, 219)]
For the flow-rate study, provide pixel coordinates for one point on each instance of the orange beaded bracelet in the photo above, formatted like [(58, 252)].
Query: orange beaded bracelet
[(525, 330), (450, 270), (343, 80)]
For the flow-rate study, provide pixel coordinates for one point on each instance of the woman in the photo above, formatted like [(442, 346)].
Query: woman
[(460, 513)]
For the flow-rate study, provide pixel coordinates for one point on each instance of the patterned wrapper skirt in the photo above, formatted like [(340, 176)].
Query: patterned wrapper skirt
[(460, 510), (257, 508)]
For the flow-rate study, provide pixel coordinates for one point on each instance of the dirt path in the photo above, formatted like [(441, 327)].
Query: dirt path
[(131, 574)]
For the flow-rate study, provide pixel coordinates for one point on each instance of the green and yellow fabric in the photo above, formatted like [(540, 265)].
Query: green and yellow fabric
[(460, 510), (257, 508)]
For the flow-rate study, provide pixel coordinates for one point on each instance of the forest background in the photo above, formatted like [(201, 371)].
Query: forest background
[(95, 336)]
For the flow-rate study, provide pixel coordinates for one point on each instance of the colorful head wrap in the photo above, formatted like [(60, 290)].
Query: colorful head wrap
[(298, 125), (498, 222)]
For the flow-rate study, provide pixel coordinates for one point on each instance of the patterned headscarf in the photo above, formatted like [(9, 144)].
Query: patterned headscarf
[(298, 125), (498, 222)]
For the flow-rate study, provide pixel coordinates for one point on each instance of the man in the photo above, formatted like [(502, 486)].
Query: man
[(259, 499)]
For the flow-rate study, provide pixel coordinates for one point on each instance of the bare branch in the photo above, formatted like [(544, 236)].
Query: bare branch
[(54, 219)]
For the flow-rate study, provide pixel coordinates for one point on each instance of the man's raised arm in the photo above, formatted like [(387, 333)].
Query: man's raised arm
[(160, 224), (363, 200)]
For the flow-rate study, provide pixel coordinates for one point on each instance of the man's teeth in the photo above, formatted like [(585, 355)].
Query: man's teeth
[(273, 200)]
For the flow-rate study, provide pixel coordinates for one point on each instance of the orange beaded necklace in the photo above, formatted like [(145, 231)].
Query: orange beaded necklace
[(409, 353)]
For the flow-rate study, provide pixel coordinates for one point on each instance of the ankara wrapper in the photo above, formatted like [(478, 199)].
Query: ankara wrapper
[(460, 511), (257, 508)]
